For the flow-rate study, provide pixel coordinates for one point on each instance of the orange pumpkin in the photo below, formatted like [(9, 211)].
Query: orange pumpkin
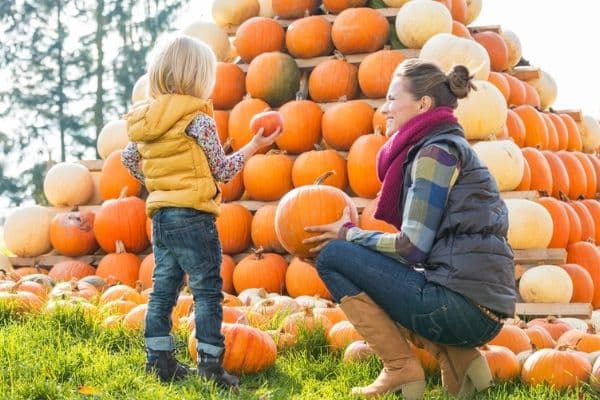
[(301, 126), (222, 121), (263, 229), (370, 223), (337, 6), (578, 340), (343, 123), (331, 80), (239, 121), (121, 266), (309, 37), (273, 77), (496, 47), (362, 165), (552, 134), (532, 97), (525, 183), (540, 338), (376, 70), (307, 206), (292, 9), (302, 279), (587, 255), (516, 128), (578, 180), (460, 30), (575, 142), (561, 131), (560, 221), (267, 177), (67, 270), (260, 270), (72, 234), (560, 178), (574, 223), (234, 189), (269, 121), (590, 174), (536, 132), (233, 226), (588, 227), (122, 219), (230, 86), (499, 80), (596, 163), (379, 121), (312, 164), (359, 30), (459, 10), (503, 363), (552, 325), (227, 267), (513, 338), (518, 95), (583, 286), (342, 334), (146, 271), (258, 35), (115, 177), (541, 174), (593, 207)]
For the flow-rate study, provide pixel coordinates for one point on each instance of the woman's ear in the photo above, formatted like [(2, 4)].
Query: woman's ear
[(425, 104)]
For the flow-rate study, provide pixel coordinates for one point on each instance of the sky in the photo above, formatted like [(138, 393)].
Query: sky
[(559, 37)]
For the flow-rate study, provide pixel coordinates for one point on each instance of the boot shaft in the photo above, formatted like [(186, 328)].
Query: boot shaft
[(165, 366), (211, 368)]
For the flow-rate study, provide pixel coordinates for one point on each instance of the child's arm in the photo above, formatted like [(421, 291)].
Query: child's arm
[(131, 159)]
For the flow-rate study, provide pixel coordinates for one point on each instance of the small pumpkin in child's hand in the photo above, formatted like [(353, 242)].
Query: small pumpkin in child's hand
[(268, 120)]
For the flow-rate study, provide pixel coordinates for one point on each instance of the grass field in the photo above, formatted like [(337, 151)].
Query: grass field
[(68, 355)]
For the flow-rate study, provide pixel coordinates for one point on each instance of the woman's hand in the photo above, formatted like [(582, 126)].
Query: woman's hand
[(329, 231), (261, 141)]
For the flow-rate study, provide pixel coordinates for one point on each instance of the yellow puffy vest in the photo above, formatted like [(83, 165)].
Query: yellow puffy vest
[(175, 167)]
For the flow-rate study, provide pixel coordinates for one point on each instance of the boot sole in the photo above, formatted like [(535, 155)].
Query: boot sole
[(410, 391), (477, 378)]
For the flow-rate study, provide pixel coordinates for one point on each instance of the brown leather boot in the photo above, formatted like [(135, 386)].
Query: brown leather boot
[(464, 369), (402, 371)]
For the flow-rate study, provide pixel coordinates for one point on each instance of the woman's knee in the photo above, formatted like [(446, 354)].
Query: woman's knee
[(330, 255)]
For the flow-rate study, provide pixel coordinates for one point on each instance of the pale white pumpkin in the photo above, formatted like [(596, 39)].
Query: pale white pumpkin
[(473, 10), (418, 20), (546, 88), (575, 323), (483, 112), (266, 8), (113, 136), (505, 161), (68, 184), (395, 3), (546, 284), (27, 231), (211, 34), (447, 50), (234, 12), (590, 134), (514, 47), (141, 89), (530, 225)]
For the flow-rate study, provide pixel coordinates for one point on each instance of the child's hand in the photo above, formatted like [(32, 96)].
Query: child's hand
[(261, 141)]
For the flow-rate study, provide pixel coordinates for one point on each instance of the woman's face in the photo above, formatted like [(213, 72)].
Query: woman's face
[(400, 106)]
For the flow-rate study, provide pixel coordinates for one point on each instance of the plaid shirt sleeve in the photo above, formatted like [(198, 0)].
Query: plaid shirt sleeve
[(222, 166), (131, 159), (434, 173)]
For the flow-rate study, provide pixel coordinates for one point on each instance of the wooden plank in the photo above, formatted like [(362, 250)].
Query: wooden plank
[(47, 261), (533, 195), (92, 165), (526, 73), (375, 103), (388, 12), (309, 63), (577, 115), (578, 310), (533, 257), (485, 28)]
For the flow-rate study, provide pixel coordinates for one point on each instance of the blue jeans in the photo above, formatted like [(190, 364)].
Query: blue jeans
[(185, 241), (431, 310)]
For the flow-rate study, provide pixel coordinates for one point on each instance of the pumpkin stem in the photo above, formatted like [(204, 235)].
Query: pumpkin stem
[(302, 93), (322, 177), (258, 252), (119, 247), (543, 193), (123, 192), (338, 55), (563, 196)]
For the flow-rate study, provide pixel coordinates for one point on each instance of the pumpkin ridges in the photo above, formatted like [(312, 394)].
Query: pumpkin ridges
[(593, 207), (114, 177), (260, 270), (496, 48), (376, 70), (583, 285), (302, 278), (588, 227), (590, 174), (577, 178), (575, 142), (561, 222), (258, 35), (263, 229), (574, 223), (587, 255), (361, 163), (72, 234), (560, 178), (536, 132), (541, 174), (301, 126), (309, 37), (500, 81), (516, 127), (230, 86), (331, 80), (561, 131), (552, 134)]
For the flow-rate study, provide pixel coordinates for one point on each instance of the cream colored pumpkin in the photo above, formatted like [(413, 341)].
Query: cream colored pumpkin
[(514, 47), (266, 8), (483, 112), (211, 34), (68, 184), (234, 12), (448, 50), (530, 225), (546, 284), (395, 3), (590, 134), (27, 231), (419, 20), (141, 89), (546, 88), (505, 161), (473, 10), (113, 136)]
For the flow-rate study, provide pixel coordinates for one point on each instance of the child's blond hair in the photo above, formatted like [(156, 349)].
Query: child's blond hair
[(181, 64)]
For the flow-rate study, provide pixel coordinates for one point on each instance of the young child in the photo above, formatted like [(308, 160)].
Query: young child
[(175, 152)]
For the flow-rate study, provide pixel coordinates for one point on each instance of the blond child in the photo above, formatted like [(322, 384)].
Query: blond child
[(175, 152)]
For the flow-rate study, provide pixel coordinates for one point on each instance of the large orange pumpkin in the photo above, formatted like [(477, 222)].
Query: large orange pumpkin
[(536, 132), (120, 266), (370, 223), (583, 286), (230, 87), (309, 37), (559, 369), (343, 123), (560, 178), (115, 177), (513, 338), (301, 126), (258, 35), (67, 270), (312, 164), (541, 174), (72, 233), (292, 9), (376, 70), (496, 47), (561, 131), (260, 270), (267, 177), (308, 206), (337, 6), (263, 229), (273, 77), (362, 165), (503, 363), (516, 128), (302, 279), (359, 30), (122, 219), (233, 225), (146, 271), (331, 80), (578, 180), (239, 121), (560, 220), (587, 255)]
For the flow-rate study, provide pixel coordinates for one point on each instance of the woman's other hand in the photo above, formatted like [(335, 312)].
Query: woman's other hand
[(329, 231)]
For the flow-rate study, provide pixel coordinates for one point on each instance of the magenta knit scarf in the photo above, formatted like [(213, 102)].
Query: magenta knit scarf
[(391, 158)]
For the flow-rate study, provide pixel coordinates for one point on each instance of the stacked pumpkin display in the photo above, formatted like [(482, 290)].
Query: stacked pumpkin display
[(327, 75)]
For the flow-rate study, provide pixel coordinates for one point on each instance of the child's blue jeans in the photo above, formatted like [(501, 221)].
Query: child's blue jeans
[(185, 241)]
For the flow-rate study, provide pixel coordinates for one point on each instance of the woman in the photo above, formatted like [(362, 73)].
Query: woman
[(446, 279)]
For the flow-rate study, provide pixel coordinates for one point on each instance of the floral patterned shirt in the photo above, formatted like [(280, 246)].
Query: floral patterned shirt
[(202, 128)]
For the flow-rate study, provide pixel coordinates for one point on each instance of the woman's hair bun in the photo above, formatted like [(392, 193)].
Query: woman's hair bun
[(459, 81)]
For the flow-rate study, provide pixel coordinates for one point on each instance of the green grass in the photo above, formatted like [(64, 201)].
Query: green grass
[(53, 356)]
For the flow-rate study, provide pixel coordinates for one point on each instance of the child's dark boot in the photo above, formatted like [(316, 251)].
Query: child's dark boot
[(165, 366), (211, 368)]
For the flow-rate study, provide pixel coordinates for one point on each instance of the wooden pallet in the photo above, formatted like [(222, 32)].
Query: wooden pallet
[(526, 73), (576, 310)]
